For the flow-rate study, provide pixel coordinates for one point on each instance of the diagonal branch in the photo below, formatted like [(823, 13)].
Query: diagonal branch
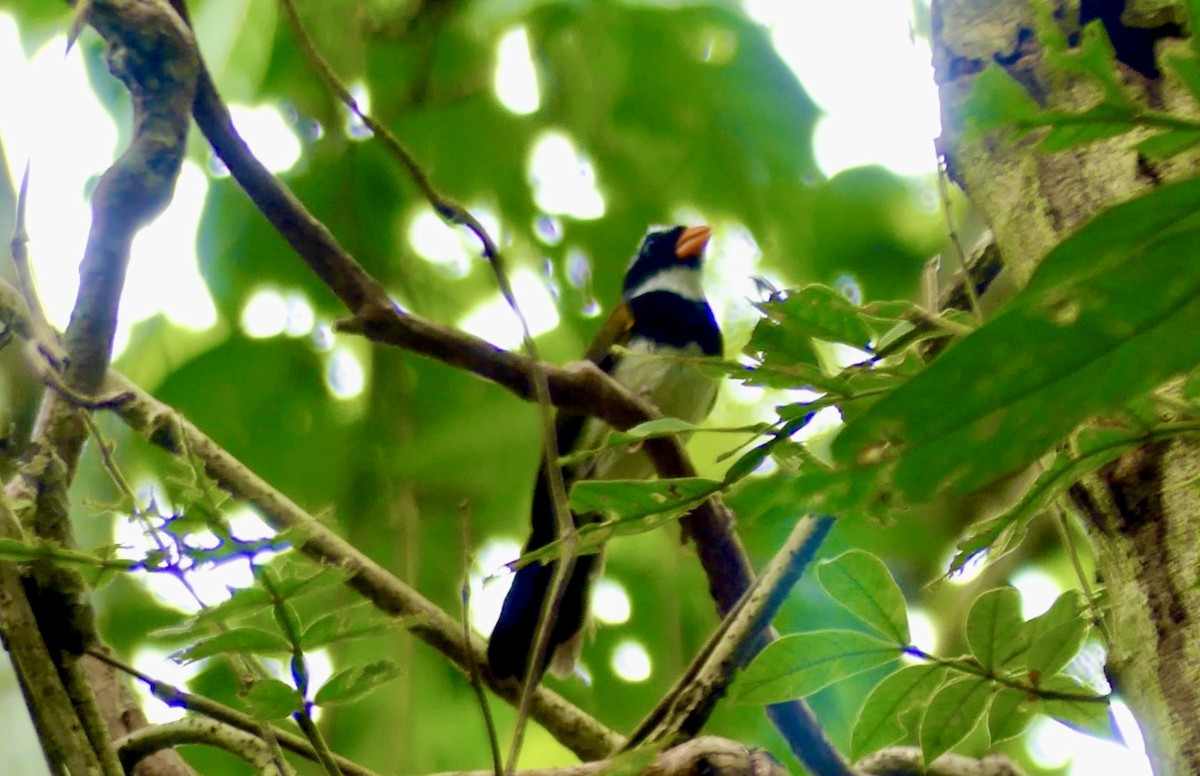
[(154, 55), (166, 428), (710, 525), (742, 634)]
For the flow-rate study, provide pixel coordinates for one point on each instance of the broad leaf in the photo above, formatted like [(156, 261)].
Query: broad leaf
[(1077, 706), (353, 683), (253, 641), (953, 713), (819, 312), (879, 724), (800, 664), (1056, 647), (995, 631), (862, 585), (1111, 312), (630, 506), (272, 699), (1009, 714), (1001, 534), (352, 622), (997, 101), (1164, 145)]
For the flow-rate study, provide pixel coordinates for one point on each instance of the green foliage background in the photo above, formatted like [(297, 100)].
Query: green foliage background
[(726, 133)]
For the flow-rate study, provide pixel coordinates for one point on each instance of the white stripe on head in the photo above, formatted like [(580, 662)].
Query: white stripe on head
[(683, 280)]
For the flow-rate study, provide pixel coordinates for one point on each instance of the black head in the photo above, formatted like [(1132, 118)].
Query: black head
[(665, 249)]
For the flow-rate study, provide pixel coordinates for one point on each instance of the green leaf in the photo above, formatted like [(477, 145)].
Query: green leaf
[(879, 724), (774, 372), (1164, 145), (953, 713), (272, 699), (252, 641), (1054, 648), (353, 683), (1110, 313), (1193, 11), (802, 663), (1008, 715), (1188, 70), (631, 499), (21, 551), (995, 630), (819, 312), (1001, 534), (997, 101), (776, 348), (1068, 607), (1096, 58), (862, 585), (353, 622), (1074, 130), (630, 507), (1191, 386), (1078, 707)]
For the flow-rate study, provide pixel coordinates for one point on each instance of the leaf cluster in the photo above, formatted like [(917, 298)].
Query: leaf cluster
[(1014, 669)]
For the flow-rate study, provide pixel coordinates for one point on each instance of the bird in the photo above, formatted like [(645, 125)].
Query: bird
[(663, 312)]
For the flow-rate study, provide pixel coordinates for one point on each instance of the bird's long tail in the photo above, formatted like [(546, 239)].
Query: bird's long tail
[(512, 639)]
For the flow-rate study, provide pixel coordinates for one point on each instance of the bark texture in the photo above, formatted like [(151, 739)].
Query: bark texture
[(1143, 511)]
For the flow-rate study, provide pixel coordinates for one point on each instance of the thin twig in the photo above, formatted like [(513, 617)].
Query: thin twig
[(952, 232), (43, 332), (1062, 522), (686, 707), (196, 730), (472, 666), (710, 525), (199, 704), (457, 214)]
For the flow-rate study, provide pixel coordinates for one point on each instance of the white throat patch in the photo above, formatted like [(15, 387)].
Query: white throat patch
[(683, 280)]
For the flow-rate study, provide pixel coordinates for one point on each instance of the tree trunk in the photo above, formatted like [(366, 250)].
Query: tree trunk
[(1142, 511)]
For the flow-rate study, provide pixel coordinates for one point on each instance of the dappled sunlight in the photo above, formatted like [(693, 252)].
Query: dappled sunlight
[(515, 80), (270, 138), (264, 314), (494, 321), (610, 602), (1038, 590), (859, 96), (46, 134), (631, 661), (563, 178), (211, 582), (354, 128), (345, 374), (489, 582), (1052, 745), (922, 633)]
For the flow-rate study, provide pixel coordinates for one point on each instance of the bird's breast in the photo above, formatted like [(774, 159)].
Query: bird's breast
[(677, 388)]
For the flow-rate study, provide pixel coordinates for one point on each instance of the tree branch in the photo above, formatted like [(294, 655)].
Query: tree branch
[(374, 314), (165, 427), (198, 730), (154, 55), (704, 756), (741, 635), (907, 761)]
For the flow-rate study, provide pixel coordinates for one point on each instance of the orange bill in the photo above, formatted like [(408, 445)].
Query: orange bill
[(692, 241)]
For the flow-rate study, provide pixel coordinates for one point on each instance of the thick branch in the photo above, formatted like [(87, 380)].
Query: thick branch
[(711, 525), (153, 53), (165, 427), (704, 756), (198, 730), (907, 761)]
